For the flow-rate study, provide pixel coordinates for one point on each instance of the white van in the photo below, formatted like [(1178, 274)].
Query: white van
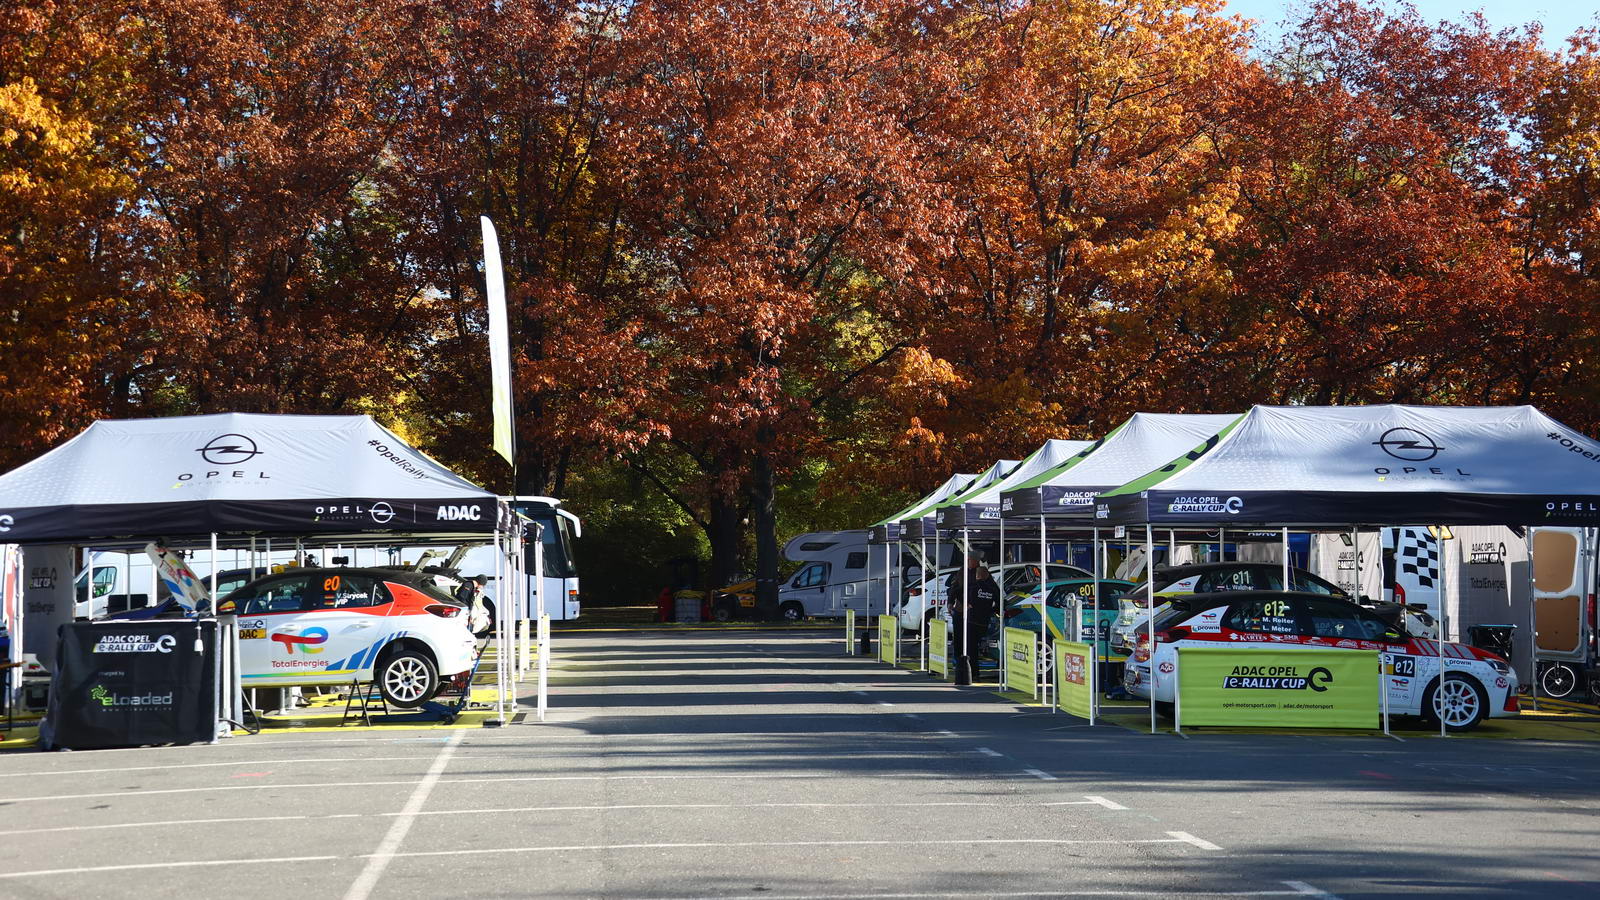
[(839, 571)]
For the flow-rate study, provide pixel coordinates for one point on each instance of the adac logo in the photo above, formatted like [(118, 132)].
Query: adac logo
[(471, 513), (1408, 444), (307, 642), (228, 450)]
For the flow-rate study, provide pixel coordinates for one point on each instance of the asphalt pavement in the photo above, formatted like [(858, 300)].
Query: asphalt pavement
[(766, 764)]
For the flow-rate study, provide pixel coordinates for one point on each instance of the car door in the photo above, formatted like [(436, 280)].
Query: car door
[(307, 628), (808, 587)]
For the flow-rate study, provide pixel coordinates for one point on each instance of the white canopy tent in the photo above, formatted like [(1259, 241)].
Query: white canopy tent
[(232, 479)]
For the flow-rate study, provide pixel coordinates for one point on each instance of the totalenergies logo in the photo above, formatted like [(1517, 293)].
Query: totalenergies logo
[(307, 642)]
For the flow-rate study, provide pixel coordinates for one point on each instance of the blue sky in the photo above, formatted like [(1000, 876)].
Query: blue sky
[(1560, 17)]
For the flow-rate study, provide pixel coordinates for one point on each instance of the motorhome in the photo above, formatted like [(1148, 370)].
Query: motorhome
[(840, 571)]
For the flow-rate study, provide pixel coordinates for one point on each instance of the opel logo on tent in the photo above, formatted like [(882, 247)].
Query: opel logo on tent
[(228, 450), (1408, 444), (381, 512)]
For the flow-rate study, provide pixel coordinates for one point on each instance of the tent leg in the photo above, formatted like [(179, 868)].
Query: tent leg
[(1150, 622), (1286, 582)]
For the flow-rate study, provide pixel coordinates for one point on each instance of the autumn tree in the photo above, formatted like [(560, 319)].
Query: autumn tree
[(510, 123), (775, 195), (67, 150), (1072, 134)]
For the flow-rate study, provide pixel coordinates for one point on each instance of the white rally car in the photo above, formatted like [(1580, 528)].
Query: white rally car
[(1477, 683), (337, 626)]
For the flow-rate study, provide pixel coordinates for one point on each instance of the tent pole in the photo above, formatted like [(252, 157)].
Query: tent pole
[(923, 624), (1150, 623), (1077, 631), (500, 619), (211, 605), (927, 600), (1286, 581), (1094, 654), (969, 666), (1002, 599), (1444, 626), (1533, 623), (543, 609), (1044, 607), (1222, 544)]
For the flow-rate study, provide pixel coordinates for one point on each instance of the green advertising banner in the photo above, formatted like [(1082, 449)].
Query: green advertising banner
[(888, 647), (849, 632), (1021, 647), (1074, 678), (1302, 688), (939, 647)]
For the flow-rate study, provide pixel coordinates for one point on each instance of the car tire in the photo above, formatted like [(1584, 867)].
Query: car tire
[(791, 612), (407, 679), (1465, 702), (1558, 680), (723, 611)]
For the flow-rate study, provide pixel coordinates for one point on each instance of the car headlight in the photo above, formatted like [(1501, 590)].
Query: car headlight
[(1499, 666)]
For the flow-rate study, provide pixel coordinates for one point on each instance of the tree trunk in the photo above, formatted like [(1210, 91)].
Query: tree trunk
[(763, 493), (723, 535)]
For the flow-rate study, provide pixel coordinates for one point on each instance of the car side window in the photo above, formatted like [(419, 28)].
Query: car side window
[(292, 593), (1332, 619), (1239, 578), (813, 575), (1305, 581), (1265, 615), (350, 591)]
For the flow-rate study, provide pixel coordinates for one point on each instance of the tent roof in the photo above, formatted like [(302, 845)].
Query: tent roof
[(951, 486), (1143, 442), (920, 521), (980, 506), (1330, 466), (238, 473), (889, 529)]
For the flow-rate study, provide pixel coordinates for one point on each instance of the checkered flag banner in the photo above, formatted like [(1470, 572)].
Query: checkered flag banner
[(1417, 553)]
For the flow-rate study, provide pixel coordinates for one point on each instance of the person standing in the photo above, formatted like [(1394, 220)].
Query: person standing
[(961, 592), (984, 605)]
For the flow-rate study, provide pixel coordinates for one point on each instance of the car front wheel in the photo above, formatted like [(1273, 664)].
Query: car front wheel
[(791, 612), (407, 679), (1461, 702)]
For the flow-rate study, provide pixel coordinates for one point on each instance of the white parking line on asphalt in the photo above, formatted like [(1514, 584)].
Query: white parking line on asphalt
[(1103, 802), (168, 823), (368, 879), (692, 845), (1039, 774), (84, 870), (323, 785), (987, 752), (242, 762), (1188, 838)]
